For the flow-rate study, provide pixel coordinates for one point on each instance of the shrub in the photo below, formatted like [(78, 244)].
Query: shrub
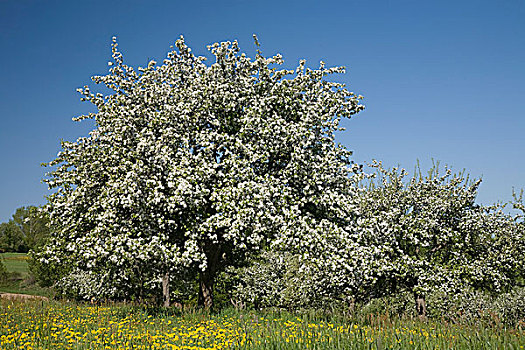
[(45, 274)]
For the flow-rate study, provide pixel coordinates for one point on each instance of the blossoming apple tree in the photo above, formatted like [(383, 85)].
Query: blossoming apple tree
[(192, 166), (413, 236), (420, 235)]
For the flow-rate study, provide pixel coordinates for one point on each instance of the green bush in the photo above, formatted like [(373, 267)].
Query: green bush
[(46, 275), (399, 305), (467, 305)]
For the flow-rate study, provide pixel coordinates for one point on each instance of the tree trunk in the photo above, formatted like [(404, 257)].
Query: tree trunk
[(351, 305), (166, 290), (421, 306), (207, 279), (206, 290)]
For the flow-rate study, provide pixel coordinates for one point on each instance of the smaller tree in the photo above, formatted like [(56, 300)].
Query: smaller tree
[(11, 238), (414, 235), (429, 233)]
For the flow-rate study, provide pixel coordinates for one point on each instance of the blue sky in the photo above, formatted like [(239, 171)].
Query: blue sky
[(441, 79)]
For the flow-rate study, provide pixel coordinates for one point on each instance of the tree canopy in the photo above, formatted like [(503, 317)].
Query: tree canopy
[(192, 167)]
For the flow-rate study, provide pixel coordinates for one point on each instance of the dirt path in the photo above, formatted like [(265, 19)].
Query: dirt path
[(21, 297)]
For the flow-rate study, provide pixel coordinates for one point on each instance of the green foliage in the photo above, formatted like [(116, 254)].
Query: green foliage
[(478, 306), (400, 305), (11, 238), (28, 229), (46, 275)]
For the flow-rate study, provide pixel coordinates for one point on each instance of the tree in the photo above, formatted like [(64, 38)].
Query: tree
[(423, 234), (26, 230), (413, 236), (192, 167), (11, 238), (34, 225)]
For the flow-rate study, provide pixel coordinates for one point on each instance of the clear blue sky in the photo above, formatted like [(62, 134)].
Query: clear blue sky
[(441, 79)]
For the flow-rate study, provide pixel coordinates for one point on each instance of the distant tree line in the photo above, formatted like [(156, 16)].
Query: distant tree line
[(26, 230)]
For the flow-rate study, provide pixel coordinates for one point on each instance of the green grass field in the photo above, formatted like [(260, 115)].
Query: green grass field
[(16, 262), (19, 280)]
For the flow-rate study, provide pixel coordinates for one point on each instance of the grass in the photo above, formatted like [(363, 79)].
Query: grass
[(37, 325), (16, 262), (19, 280), (60, 325)]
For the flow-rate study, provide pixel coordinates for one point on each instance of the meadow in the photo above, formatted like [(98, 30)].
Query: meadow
[(16, 262), (19, 279), (71, 325), (62, 325)]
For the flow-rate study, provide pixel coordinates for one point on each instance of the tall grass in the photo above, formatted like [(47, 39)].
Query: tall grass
[(37, 325)]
